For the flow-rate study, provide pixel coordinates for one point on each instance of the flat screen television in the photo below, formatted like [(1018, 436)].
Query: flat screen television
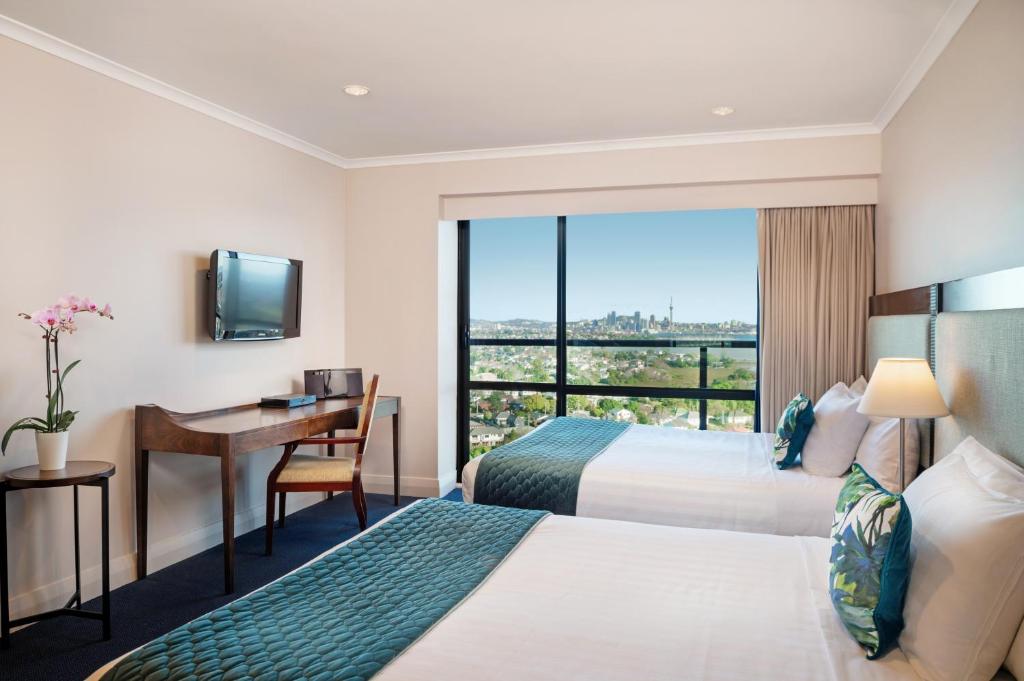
[(254, 297)]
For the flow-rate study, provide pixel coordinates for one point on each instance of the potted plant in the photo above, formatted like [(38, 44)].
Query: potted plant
[(52, 431)]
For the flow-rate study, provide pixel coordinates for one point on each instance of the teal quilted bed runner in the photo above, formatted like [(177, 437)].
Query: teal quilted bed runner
[(351, 612), (543, 471)]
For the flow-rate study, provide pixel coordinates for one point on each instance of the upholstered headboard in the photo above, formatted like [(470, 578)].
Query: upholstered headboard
[(979, 359), (906, 335)]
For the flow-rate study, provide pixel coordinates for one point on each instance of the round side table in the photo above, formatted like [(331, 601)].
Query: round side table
[(75, 474)]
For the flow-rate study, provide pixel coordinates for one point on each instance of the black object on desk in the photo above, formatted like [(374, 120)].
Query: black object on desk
[(76, 473), (289, 401)]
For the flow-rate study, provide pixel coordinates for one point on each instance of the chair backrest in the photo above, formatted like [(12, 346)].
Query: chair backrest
[(369, 405)]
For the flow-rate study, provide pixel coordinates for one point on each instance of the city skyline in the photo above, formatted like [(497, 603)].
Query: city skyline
[(702, 263), (618, 315)]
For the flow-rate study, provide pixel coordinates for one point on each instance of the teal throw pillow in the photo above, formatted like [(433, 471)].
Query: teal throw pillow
[(792, 431), (870, 562)]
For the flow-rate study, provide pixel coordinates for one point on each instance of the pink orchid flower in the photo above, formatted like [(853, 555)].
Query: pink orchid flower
[(61, 316), (69, 302), (49, 317)]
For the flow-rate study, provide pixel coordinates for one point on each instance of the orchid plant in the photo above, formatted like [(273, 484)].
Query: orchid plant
[(55, 320)]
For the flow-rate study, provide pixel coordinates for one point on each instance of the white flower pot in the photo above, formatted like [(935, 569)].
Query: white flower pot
[(52, 449)]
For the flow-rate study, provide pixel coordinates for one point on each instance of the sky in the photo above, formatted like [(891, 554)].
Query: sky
[(705, 260)]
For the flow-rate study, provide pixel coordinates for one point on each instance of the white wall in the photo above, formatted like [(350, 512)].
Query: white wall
[(114, 193), (400, 268), (951, 194)]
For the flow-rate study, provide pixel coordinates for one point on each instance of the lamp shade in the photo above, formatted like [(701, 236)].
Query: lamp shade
[(903, 388)]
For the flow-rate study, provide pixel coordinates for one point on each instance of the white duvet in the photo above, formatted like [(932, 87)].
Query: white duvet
[(598, 600), (701, 479)]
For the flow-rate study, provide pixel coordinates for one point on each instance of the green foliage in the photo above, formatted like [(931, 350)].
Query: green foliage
[(577, 403), (27, 423), (57, 419), (539, 403)]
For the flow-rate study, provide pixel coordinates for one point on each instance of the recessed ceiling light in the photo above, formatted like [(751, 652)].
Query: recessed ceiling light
[(723, 110), (357, 90)]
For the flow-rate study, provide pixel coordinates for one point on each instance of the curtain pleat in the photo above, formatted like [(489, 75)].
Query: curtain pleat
[(816, 275)]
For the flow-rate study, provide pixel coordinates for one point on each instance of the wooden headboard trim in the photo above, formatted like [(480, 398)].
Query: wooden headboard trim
[(909, 301)]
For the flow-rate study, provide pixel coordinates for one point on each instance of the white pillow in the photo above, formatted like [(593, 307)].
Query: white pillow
[(838, 428), (859, 386), (1015, 658), (879, 452), (966, 595)]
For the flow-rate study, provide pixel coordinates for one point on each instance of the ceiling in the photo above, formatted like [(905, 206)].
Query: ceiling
[(458, 75)]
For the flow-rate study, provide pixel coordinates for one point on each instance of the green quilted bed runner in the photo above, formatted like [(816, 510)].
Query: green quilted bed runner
[(348, 614), (543, 471)]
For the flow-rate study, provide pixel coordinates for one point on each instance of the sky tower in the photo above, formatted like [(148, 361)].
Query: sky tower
[(670, 322)]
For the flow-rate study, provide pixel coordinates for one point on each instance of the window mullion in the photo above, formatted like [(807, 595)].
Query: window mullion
[(561, 368)]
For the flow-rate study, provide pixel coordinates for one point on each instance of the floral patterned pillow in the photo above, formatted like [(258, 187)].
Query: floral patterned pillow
[(792, 430), (870, 562)]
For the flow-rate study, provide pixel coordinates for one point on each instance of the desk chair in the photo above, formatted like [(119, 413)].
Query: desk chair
[(315, 473)]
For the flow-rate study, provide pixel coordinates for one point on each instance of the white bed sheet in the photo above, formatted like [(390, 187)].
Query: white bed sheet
[(599, 600), (701, 479)]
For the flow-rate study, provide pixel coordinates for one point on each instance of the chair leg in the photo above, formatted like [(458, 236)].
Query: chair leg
[(280, 509), (270, 520), (360, 504)]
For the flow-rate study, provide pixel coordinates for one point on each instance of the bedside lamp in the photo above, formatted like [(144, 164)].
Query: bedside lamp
[(904, 389)]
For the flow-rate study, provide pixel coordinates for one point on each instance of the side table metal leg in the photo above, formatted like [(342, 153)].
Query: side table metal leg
[(5, 615), (105, 547), (77, 598)]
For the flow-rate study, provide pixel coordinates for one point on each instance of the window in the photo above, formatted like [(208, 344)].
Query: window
[(649, 318)]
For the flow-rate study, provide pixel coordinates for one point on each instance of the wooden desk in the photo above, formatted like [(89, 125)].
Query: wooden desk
[(227, 433)]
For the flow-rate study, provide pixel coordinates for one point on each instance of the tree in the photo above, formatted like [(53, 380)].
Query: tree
[(577, 403), (741, 374), (538, 403)]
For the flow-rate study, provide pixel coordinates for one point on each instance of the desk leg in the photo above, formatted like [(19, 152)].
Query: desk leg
[(105, 547), (396, 452), (5, 614), (330, 452), (227, 497), (141, 510)]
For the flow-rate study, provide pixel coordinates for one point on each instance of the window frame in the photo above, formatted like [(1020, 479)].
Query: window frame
[(561, 387)]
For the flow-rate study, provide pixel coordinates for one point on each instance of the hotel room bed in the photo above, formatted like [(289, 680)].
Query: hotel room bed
[(550, 597), (699, 479)]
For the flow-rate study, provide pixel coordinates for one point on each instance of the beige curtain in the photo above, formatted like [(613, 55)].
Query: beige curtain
[(816, 274)]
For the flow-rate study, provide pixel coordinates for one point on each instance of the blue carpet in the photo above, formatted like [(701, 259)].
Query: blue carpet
[(70, 648)]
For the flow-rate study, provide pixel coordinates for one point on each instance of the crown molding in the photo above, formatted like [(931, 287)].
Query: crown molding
[(619, 145), (940, 38), (23, 33), (947, 27)]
